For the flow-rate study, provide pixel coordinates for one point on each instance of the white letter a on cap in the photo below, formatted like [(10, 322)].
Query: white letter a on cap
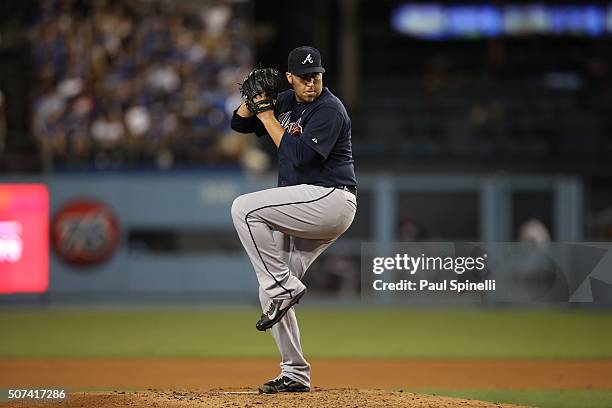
[(307, 59)]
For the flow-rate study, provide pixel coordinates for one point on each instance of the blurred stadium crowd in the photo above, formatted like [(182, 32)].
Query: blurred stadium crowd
[(137, 84), (152, 84)]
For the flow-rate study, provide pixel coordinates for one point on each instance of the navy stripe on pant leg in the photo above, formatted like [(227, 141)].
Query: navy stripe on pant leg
[(246, 220)]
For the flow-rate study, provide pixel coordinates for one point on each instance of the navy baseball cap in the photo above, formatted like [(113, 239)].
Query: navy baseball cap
[(304, 60)]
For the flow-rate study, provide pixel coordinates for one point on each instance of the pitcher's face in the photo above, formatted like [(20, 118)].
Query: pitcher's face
[(307, 87)]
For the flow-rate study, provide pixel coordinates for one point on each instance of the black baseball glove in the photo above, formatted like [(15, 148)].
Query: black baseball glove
[(261, 81)]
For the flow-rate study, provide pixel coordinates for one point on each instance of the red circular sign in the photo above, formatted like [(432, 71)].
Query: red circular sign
[(85, 232)]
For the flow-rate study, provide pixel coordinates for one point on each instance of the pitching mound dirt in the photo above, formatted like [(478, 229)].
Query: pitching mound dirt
[(251, 399)]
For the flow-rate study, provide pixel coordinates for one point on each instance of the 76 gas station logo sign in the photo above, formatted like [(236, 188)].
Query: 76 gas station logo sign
[(85, 232)]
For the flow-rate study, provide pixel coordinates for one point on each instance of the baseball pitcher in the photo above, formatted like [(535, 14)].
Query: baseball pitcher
[(284, 229)]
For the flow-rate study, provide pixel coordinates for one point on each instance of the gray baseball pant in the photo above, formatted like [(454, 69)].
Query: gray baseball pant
[(283, 231)]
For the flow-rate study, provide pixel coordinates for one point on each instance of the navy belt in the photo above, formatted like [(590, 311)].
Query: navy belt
[(350, 189)]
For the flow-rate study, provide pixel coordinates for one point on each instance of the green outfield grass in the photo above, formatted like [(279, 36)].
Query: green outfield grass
[(534, 398), (222, 332)]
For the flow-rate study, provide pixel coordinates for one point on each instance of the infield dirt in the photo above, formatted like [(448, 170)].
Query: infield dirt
[(221, 398), (337, 383)]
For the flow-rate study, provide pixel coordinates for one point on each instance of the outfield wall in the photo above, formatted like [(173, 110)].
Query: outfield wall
[(175, 235)]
